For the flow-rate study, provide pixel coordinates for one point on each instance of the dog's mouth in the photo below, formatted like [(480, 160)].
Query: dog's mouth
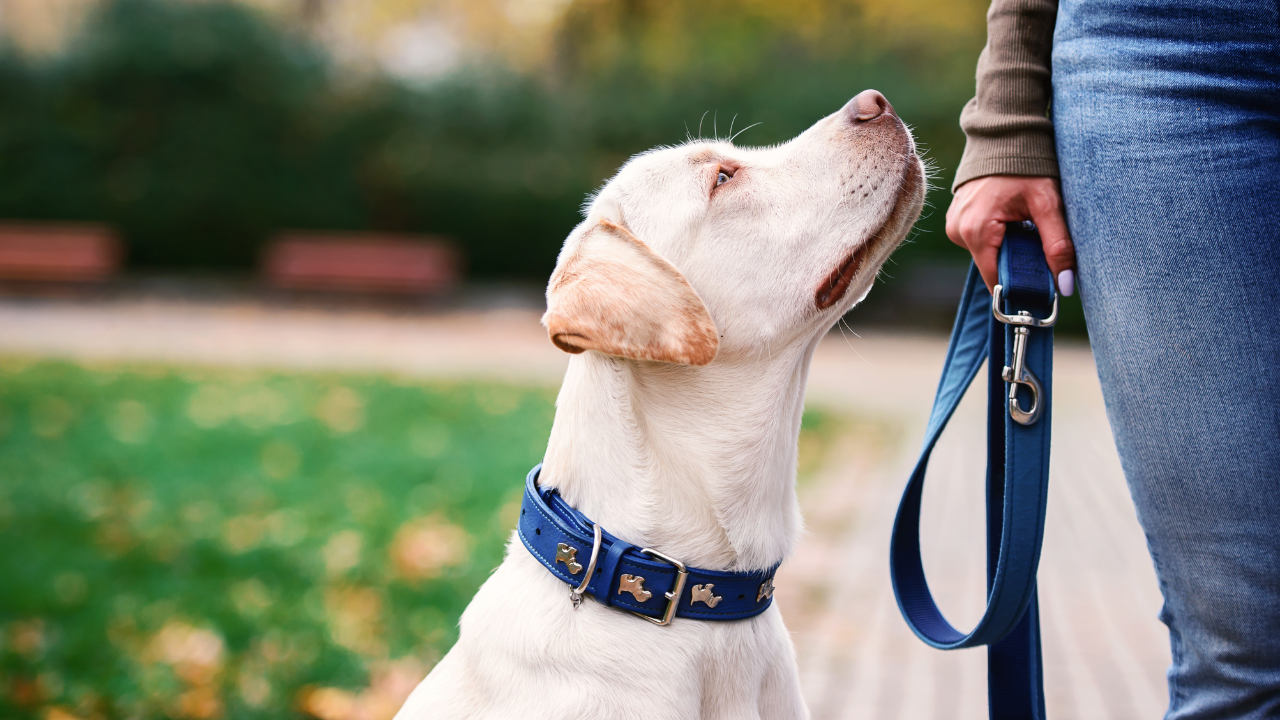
[(836, 285)]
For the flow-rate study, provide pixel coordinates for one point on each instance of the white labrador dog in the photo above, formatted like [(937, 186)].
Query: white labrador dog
[(693, 295)]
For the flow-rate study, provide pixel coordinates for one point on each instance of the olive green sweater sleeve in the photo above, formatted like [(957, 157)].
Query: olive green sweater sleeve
[(1006, 124)]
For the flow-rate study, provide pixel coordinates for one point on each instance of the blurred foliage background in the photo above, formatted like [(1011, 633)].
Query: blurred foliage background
[(199, 127)]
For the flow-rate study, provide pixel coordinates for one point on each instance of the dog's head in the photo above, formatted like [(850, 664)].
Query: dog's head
[(709, 250)]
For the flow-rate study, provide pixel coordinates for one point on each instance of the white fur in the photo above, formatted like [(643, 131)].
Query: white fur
[(697, 462)]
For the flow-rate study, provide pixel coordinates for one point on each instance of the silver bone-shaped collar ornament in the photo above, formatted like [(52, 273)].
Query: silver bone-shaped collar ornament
[(569, 556), (702, 594), (634, 584), (766, 590)]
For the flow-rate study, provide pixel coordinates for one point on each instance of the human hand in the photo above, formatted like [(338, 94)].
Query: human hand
[(981, 207)]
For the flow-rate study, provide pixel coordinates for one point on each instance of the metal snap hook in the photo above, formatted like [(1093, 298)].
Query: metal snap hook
[(1020, 374), (1032, 383)]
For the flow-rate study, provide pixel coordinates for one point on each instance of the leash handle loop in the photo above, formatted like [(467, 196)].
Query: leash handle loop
[(1016, 340)]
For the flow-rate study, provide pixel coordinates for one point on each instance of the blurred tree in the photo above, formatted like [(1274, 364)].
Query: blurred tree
[(201, 127), (644, 63), (41, 26), (183, 123)]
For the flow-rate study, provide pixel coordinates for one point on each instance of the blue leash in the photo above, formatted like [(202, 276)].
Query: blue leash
[(1016, 333)]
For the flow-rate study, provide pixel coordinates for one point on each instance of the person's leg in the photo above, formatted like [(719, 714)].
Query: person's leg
[(1168, 134)]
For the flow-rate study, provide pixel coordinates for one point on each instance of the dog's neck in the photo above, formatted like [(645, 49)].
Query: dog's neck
[(697, 463)]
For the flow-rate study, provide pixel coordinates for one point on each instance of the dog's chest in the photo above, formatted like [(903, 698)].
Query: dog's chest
[(522, 626)]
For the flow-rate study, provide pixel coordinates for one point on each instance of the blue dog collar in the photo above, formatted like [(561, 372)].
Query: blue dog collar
[(638, 580)]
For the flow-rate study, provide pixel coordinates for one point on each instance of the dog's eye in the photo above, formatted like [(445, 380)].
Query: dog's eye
[(723, 175)]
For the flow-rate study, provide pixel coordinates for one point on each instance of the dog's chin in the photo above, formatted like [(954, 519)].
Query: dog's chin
[(882, 242)]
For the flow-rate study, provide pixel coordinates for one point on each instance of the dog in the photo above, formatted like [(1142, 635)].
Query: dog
[(692, 296)]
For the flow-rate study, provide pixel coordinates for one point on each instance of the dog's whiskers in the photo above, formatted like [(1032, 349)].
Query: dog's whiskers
[(735, 136), (846, 324)]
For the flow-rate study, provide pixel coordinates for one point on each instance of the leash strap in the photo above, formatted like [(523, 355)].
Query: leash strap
[(641, 581), (1017, 348)]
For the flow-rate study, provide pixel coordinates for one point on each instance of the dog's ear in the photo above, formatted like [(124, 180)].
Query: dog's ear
[(613, 294)]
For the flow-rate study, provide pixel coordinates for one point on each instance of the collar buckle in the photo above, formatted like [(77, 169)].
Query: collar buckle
[(673, 597)]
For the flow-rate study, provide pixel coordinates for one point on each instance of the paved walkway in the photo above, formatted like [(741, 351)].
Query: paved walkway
[(1104, 651)]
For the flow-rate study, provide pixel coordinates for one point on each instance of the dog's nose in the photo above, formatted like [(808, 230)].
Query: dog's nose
[(868, 105)]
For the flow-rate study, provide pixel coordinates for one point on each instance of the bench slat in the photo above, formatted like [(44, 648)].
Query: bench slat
[(58, 252), (361, 263)]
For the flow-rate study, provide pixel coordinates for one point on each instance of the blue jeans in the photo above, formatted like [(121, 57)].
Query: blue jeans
[(1167, 117)]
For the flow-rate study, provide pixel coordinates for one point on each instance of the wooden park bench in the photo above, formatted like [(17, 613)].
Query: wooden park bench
[(58, 253), (360, 262)]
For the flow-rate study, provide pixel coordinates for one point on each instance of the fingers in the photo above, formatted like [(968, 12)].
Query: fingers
[(987, 239), (953, 219), (1045, 207), (982, 206), (973, 223)]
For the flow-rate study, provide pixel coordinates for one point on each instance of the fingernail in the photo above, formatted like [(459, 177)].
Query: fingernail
[(1067, 282)]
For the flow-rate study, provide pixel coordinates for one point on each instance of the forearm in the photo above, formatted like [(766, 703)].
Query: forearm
[(1006, 124)]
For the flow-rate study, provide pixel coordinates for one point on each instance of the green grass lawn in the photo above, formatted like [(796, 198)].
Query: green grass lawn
[(195, 543)]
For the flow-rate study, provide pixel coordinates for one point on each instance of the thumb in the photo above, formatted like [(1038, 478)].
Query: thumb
[(1059, 251)]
